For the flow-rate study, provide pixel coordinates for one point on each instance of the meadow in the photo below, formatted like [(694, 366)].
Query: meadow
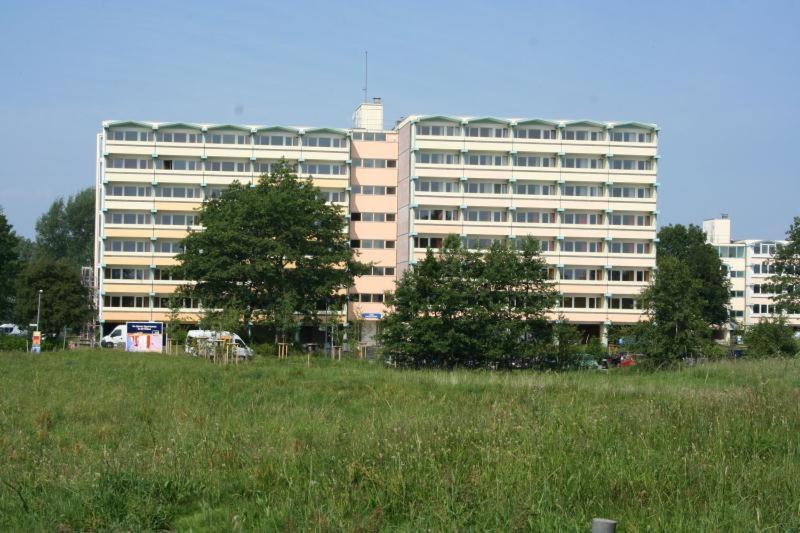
[(107, 440)]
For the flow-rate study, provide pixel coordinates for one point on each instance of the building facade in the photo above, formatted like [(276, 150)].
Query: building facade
[(586, 190), (749, 266)]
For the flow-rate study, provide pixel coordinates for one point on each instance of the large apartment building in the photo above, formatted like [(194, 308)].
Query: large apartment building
[(749, 266), (587, 190)]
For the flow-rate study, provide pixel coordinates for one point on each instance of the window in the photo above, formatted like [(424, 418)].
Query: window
[(178, 164), (764, 248), (376, 190), (631, 137), (128, 190), (582, 190), (165, 302), (582, 135), (629, 220), (323, 168), (535, 161), (228, 138), (228, 166), (534, 189), (736, 273), (130, 164), (581, 274), (737, 294), (730, 251), (487, 160), (375, 163), (126, 301), (535, 133), (128, 246), (580, 302), (482, 243), (427, 185), (130, 135), (372, 217), (485, 215), (366, 298), (545, 246), (582, 162), (582, 218), (430, 158), (631, 192), (177, 191), (369, 136), (486, 132), (325, 142), (763, 309), (382, 271), (125, 273), (438, 131), (166, 274), (631, 164), (332, 195), (277, 139), (624, 303), (427, 213), (486, 187), (523, 216), (428, 242), (168, 247), (625, 275), (179, 137), (127, 218), (630, 247), (368, 244), (581, 246), (176, 219)]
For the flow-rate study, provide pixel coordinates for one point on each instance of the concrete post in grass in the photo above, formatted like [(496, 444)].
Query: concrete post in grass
[(604, 525)]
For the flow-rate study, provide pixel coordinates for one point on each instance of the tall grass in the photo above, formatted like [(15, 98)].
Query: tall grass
[(107, 440)]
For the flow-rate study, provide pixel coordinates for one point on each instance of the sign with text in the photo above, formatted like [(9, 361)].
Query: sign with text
[(144, 336), (371, 316), (36, 342)]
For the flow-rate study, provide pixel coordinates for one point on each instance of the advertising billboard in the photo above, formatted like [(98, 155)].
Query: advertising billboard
[(144, 336)]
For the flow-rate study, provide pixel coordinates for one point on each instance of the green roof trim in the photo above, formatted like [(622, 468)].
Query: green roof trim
[(120, 123), (276, 128), (536, 121), (641, 125), (327, 130), (439, 118), (590, 123), (227, 127), (488, 120), (179, 125)]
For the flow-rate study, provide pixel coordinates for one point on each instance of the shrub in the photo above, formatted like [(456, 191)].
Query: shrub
[(12, 343), (771, 338)]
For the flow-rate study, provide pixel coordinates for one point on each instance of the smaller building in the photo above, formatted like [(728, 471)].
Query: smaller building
[(749, 265)]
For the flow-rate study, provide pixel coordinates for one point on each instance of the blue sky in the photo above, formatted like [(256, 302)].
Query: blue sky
[(720, 79)]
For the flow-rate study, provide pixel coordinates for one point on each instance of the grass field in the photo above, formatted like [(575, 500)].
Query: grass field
[(107, 440)]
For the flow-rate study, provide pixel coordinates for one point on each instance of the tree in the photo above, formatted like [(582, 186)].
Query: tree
[(688, 244), (785, 283), (675, 307), (566, 341), (65, 300), (771, 338), (462, 307), (9, 266), (66, 229), (273, 251)]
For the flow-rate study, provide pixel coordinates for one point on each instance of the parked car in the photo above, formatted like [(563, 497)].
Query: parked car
[(12, 329)]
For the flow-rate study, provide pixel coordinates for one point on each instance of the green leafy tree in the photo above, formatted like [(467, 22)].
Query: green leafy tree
[(785, 283), (566, 343), (65, 300), (9, 266), (66, 229), (688, 244), (462, 307), (771, 338), (272, 251), (675, 307)]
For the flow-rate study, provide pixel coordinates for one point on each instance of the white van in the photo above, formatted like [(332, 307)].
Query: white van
[(115, 339), (197, 340), (11, 329)]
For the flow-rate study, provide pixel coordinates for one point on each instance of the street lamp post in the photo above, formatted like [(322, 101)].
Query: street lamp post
[(39, 309)]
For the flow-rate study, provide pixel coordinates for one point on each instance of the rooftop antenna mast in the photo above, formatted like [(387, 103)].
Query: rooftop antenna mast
[(366, 75)]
